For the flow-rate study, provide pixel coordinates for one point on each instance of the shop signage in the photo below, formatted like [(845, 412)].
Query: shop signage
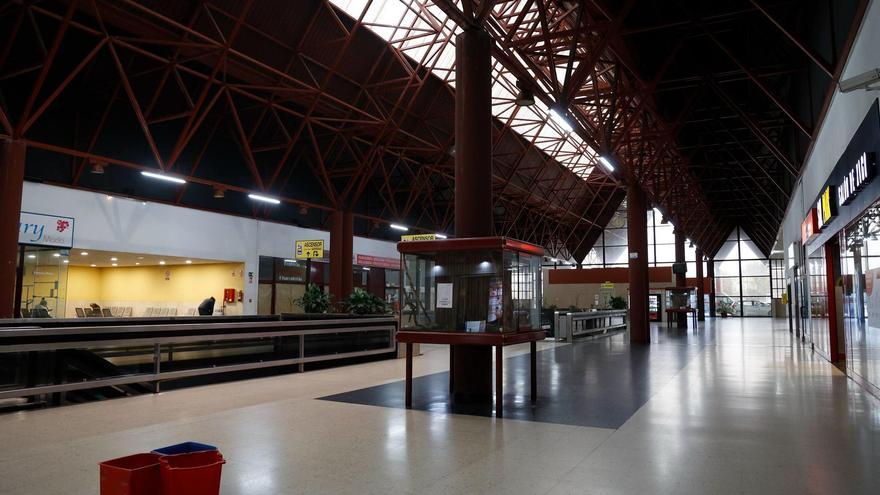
[(309, 249), (856, 178), (37, 229), (377, 262), (418, 237), (826, 207), (810, 227)]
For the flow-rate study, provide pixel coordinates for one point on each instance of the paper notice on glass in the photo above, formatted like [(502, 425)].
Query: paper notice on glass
[(444, 296)]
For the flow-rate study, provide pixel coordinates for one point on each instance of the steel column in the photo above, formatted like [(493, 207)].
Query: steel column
[(710, 272), (341, 243), (680, 278), (701, 291), (12, 154), (637, 239), (472, 365)]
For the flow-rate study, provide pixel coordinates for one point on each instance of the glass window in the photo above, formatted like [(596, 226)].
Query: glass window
[(727, 268), (749, 250), (616, 255), (665, 254), (727, 286), (728, 251), (755, 267), (615, 237), (756, 286)]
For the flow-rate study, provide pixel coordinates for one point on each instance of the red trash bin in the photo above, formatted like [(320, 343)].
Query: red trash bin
[(137, 474), (197, 473)]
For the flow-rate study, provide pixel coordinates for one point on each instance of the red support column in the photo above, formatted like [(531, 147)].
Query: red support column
[(341, 247), (472, 365), (680, 278), (637, 239), (832, 251), (701, 292), (710, 272), (12, 154)]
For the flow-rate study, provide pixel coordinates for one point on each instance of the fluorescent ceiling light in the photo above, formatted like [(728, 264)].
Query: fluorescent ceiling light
[(164, 177), (366, 268), (56, 255), (114, 259), (606, 163), (399, 227), (560, 119), (84, 253), (32, 256), (265, 199), (137, 262), (440, 236), (93, 265), (115, 264), (66, 261)]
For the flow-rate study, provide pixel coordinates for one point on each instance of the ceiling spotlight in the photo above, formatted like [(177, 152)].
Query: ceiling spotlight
[(606, 162), (115, 264), (97, 168), (84, 253), (93, 265), (189, 262), (114, 258), (525, 97), (399, 227), (56, 255), (137, 262), (219, 193), (264, 199), (32, 256), (166, 178), (162, 262), (440, 236)]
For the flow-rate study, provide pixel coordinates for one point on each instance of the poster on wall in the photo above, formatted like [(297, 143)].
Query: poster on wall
[(495, 306), (444, 296), (37, 229)]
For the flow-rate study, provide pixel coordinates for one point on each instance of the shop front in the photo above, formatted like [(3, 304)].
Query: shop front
[(44, 245), (842, 259)]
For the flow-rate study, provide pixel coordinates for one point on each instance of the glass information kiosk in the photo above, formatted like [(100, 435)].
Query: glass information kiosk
[(476, 291)]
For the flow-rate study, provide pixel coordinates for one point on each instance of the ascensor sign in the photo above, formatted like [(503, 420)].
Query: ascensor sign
[(38, 229)]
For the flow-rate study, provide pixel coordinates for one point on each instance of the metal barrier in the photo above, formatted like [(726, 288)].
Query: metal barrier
[(142, 353), (577, 324)]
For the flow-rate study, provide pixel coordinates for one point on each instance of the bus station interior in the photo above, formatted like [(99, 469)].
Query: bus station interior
[(442, 246)]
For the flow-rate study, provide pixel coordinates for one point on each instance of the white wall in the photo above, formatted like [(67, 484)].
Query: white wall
[(843, 118), (150, 228)]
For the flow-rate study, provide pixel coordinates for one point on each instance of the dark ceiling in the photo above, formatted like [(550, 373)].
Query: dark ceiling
[(709, 106)]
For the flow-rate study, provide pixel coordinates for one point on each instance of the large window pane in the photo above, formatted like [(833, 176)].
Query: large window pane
[(615, 237), (665, 254), (749, 250), (755, 267), (615, 255), (594, 257), (756, 286), (727, 268), (728, 251), (755, 306), (663, 234), (727, 286)]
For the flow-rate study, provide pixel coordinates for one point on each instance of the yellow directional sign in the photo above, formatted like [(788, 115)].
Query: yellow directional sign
[(309, 249), (419, 237)]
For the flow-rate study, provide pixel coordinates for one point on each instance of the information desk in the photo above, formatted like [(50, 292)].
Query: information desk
[(471, 294)]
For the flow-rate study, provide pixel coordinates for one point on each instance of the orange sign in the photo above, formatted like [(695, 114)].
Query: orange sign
[(810, 226)]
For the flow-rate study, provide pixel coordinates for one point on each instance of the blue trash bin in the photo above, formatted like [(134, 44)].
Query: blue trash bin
[(184, 448)]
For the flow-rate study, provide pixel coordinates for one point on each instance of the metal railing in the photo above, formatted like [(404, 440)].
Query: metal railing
[(570, 325), (209, 347)]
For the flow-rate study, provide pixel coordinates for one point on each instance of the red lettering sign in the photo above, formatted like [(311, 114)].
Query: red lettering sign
[(378, 262), (810, 226)]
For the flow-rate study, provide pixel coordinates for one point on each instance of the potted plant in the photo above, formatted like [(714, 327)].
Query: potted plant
[(725, 307), (361, 302), (617, 302), (313, 300)]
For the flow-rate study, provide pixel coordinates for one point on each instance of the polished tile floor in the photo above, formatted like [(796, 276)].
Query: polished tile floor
[(746, 410)]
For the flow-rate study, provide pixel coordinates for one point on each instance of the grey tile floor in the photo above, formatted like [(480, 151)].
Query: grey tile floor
[(752, 412)]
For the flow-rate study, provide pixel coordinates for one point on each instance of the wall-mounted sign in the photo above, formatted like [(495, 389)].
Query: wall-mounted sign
[(826, 207), (38, 229), (607, 285), (378, 261), (419, 237), (810, 226), (856, 178), (309, 249)]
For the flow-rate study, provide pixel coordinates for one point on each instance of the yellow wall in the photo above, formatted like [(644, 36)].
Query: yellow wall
[(146, 286)]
